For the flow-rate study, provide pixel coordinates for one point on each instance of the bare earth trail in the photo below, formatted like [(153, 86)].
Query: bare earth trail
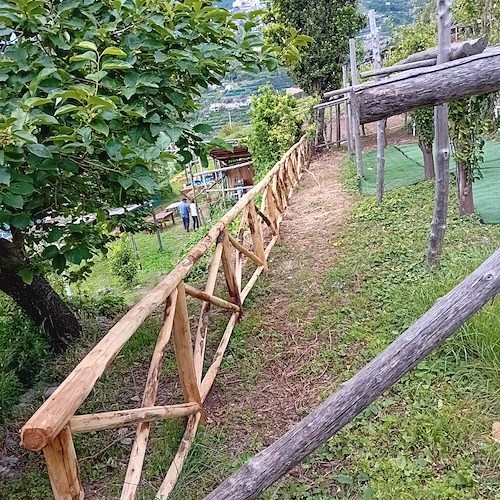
[(276, 380)]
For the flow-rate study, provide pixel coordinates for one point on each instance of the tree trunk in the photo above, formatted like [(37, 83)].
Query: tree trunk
[(428, 155), (320, 132), (43, 305), (464, 188), (38, 300)]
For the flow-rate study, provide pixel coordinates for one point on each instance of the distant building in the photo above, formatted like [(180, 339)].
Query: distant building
[(246, 5), (295, 92)]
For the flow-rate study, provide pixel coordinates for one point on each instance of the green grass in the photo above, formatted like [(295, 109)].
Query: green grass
[(426, 438), (154, 265)]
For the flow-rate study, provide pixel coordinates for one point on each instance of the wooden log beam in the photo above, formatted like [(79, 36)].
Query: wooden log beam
[(124, 418), (457, 51), (397, 68), (422, 338), (429, 86), (245, 251), (214, 300)]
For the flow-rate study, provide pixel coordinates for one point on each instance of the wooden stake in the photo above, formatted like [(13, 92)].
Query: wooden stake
[(337, 126), (206, 297), (201, 332), (256, 232), (358, 148), (271, 207), (348, 118), (62, 466), (124, 418), (181, 338), (238, 266), (138, 452), (227, 265), (377, 59), (438, 225)]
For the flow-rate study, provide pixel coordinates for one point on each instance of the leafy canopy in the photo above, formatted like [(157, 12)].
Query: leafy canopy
[(95, 96), (277, 120), (330, 23)]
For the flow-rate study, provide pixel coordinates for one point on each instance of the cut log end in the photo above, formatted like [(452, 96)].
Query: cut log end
[(36, 439)]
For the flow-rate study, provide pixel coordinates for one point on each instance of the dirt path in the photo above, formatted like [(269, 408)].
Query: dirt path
[(277, 379)]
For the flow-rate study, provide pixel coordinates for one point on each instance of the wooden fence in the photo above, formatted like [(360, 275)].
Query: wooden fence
[(51, 428)]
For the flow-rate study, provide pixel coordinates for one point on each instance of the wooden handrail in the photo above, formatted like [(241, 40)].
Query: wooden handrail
[(57, 410), (52, 426)]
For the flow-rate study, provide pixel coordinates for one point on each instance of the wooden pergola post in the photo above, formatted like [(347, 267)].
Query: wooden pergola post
[(358, 147), (377, 61), (442, 164)]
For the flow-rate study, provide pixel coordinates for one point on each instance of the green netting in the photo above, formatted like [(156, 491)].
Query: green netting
[(404, 166)]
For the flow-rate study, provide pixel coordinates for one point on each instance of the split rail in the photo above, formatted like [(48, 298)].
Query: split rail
[(52, 427)]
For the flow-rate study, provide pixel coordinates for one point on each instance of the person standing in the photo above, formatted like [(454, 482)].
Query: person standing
[(194, 214), (185, 212)]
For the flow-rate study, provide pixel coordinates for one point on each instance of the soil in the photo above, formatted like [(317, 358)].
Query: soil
[(287, 386)]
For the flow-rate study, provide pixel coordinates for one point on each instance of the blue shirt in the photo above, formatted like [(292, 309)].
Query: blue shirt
[(184, 210)]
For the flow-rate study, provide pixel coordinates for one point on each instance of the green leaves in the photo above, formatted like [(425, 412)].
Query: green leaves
[(39, 150), (13, 200), (91, 120), (114, 51), (26, 275), (87, 45)]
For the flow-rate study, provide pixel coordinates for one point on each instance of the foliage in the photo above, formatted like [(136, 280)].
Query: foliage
[(276, 126), (94, 99), (469, 120), (424, 125), (478, 17), (234, 131), (123, 261), (330, 24), (23, 350), (104, 302), (409, 40)]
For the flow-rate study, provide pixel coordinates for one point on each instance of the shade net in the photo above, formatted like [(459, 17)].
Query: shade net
[(404, 166)]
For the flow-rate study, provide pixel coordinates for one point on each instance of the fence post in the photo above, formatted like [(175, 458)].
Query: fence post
[(183, 347), (227, 265), (62, 466), (256, 232)]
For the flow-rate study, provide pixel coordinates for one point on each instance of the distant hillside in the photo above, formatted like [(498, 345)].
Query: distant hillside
[(392, 13)]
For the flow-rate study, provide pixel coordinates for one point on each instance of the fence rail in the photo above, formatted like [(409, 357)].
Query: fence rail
[(51, 428)]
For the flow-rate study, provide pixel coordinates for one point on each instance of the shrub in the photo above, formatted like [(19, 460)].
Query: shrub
[(23, 350), (234, 131), (277, 121), (123, 261), (103, 303)]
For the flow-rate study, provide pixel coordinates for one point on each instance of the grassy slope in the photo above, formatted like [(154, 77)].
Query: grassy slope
[(426, 438)]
